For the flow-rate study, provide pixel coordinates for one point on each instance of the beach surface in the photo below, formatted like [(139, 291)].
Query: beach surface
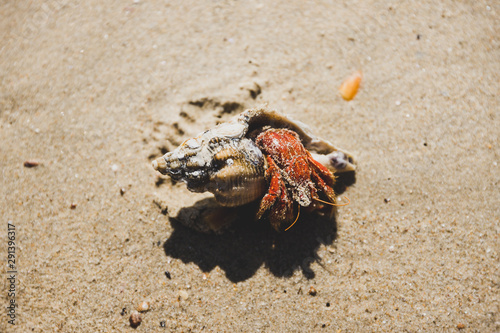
[(92, 92)]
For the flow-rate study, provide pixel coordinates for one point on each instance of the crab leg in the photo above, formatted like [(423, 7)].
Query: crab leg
[(282, 211), (275, 188), (277, 198), (323, 187)]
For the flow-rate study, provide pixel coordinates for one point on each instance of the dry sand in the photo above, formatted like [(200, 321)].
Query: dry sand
[(93, 91)]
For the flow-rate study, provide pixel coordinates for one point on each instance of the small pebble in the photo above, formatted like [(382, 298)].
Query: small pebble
[(387, 200), (135, 319), (122, 191), (31, 164), (312, 291), (183, 294), (460, 326), (73, 206), (349, 88), (114, 167), (167, 274), (124, 311), (143, 307)]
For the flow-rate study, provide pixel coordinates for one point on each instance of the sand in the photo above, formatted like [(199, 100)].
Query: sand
[(94, 91)]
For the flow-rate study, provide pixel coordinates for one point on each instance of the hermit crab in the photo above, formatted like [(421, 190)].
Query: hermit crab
[(261, 155)]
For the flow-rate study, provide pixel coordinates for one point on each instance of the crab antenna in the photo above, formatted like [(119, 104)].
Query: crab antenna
[(291, 225), (334, 204)]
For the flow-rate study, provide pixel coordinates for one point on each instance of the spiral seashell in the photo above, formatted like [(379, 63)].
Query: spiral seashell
[(231, 168), (240, 180)]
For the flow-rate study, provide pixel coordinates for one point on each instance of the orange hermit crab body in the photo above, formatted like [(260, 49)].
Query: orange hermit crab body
[(293, 176)]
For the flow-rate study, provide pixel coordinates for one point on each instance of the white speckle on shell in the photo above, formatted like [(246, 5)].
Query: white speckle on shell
[(229, 161), (199, 160), (193, 143), (232, 130)]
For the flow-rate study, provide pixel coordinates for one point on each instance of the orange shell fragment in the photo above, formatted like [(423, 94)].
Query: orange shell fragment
[(350, 86)]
